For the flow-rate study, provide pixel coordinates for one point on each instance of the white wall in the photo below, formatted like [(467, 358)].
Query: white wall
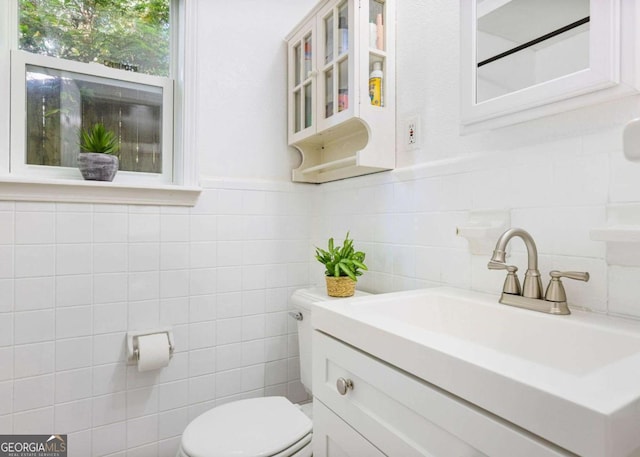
[(556, 175), (74, 278), (242, 87)]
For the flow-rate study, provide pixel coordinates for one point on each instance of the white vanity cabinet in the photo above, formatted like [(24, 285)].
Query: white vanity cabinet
[(390, 412), (341, 90)]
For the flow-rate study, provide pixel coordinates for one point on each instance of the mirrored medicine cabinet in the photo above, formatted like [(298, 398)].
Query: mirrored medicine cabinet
[(524, 59)]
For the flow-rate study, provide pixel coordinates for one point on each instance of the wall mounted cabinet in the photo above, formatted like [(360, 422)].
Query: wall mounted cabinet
[(341, 90), (524, 59)]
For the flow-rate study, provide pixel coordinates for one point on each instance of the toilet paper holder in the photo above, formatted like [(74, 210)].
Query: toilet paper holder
[(133, 354)]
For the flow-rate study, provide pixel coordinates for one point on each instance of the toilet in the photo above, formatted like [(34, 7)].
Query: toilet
[(260, 427)]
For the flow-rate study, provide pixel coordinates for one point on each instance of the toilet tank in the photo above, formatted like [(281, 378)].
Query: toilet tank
[(302, 300)]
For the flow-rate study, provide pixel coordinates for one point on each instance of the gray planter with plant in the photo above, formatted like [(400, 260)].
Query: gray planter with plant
[(97, 160), (343, 265)]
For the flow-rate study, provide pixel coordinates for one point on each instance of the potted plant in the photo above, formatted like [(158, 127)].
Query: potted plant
[(97, 160), (343, 265)]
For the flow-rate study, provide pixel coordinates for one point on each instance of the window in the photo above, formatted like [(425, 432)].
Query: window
[(76, 63), (85, 62), (59, 103), (53, 99), (129, 34)]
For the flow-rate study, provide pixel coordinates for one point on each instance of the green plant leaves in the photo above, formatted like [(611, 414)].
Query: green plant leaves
[(342, 260), (99, 139), (347, 269)]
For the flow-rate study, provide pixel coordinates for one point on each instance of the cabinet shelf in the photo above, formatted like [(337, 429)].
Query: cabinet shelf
[(340, 163), (341, 152), (338, 128), (378, 52)]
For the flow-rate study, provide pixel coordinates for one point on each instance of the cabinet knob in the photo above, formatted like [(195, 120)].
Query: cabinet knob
[(343, 385)]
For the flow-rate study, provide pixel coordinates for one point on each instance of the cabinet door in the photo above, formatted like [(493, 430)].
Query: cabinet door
[(335, 59), (332, 437), (404, 416), (377, 85), (302, 83)]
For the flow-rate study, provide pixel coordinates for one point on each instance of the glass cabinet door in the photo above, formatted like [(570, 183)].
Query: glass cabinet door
[(342, 114), (335, 74), (344, 40), (302, 82), (377, 55)]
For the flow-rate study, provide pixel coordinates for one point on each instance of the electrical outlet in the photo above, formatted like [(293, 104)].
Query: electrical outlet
[(411, 132)]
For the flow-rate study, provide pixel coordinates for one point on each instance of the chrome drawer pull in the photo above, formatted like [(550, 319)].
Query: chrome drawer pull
[(343, 385)]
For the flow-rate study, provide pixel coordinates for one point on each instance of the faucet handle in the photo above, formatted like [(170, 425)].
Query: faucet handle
[(578, 275), (494, 265), (555, 289), (511, 283)]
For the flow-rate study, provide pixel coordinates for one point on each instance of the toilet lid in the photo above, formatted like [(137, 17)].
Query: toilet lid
[(256, 427)]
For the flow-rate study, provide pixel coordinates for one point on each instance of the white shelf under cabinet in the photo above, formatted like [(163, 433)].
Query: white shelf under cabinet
[(332, 120)]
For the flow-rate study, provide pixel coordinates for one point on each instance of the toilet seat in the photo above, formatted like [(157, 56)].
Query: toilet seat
[(256, 427)]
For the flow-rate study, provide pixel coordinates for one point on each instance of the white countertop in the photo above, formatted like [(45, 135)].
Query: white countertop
[(573, 380)]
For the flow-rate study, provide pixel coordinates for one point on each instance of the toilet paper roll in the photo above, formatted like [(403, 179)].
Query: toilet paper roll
[(153, 351)]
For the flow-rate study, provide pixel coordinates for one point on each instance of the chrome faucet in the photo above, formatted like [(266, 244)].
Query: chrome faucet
[(530, 296), (532, 286)]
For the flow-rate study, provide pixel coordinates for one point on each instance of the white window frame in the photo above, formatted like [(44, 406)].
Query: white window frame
[(17, 163), (177, 186)]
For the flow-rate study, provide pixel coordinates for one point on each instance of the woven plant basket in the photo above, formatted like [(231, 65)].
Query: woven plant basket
[(341, 286)]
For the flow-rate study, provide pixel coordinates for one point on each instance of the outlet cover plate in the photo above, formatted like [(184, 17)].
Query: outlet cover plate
[(411, 132)]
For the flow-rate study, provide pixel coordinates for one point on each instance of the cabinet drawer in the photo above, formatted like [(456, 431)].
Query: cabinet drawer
[(406, 416)]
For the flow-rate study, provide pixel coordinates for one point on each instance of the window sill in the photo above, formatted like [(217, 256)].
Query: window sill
[(77, 191)]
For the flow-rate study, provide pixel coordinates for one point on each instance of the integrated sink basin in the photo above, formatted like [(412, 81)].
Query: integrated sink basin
[(572, 380), (564, 344)]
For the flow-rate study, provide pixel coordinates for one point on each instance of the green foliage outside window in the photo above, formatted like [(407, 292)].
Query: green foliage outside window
[(122, 32)]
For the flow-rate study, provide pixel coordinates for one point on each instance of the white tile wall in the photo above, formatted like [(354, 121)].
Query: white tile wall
[(33, 359), (73, 416), (75, 278), (413, 214), (73, 353), (108, 439), (30, 422)]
